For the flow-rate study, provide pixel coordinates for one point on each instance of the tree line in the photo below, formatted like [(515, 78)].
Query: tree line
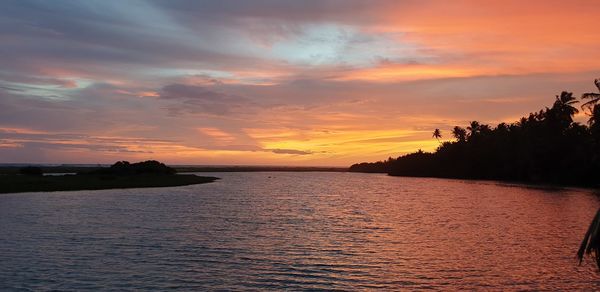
[(547, 146), (123, 168)]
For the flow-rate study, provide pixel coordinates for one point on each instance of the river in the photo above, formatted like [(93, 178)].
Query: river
[(299, 231)]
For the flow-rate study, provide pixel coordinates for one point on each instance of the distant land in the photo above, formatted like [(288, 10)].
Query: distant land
[(23, 177), (13, 168), (546, 147), (121, 175)]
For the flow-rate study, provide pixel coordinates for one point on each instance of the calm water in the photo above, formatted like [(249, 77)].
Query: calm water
[(295, 231)]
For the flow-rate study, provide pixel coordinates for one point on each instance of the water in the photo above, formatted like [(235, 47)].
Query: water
[(298, 231)]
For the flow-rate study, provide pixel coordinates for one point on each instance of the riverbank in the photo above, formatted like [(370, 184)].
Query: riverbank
[(13, 183)]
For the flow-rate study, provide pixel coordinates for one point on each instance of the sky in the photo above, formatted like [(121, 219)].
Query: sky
[(277, 82)]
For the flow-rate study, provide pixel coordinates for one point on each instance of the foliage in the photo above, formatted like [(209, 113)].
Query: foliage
[(145, 167), (546, 146), (437, 134), (591, 241), (593, 97), (31, 170), (543, 147)]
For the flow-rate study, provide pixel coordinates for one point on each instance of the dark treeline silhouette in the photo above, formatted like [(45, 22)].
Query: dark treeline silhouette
[(121, 175), (544, 147), (31, 170), (126, 168)]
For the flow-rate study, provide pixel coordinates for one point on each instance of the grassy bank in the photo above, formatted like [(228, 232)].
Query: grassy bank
[(24, 183)]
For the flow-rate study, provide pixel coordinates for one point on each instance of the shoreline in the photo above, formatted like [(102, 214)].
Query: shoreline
[(10, 184), (544, 185)]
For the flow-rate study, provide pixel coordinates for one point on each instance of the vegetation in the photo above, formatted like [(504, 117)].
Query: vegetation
[(120, 175), (126, 168), (545, 147), (591, 241), (70, 169), (31, 170), (437, 134)]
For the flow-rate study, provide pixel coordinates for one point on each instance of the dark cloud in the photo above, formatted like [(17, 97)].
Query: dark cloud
[(289, 151), (288, 10), (182, 91), (86, 36), (101, 38), (255, 148), (198, 99)]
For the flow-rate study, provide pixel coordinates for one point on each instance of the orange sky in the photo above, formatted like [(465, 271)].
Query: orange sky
[(277, 82)]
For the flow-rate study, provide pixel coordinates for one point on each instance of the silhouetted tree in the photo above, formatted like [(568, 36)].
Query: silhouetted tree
[(145, 167), (473, 129), (437, 134), (560, 116), (544, 146), (459, 133), (593, 97), (566, 100)]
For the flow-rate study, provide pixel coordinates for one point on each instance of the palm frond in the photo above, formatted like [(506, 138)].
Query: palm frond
[(590, 95), (594, 98), (591, 241)]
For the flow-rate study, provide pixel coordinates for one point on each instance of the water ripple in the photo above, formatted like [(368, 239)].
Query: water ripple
[(298, 231)]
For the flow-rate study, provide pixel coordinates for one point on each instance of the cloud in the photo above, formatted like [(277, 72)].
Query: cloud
[(289, 151), (182, 91), (255, 148), (198, 99), (26, 145), (311, 82), (69, 141), (35, 80)]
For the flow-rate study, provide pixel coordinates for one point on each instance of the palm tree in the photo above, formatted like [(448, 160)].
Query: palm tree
[(593, 97), (562, 111), (437, 134), (566, 100), (459, 133), (594, 120), (474, 128), (591, 241)]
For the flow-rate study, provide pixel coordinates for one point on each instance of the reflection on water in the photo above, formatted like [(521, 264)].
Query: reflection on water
[(257, 231)]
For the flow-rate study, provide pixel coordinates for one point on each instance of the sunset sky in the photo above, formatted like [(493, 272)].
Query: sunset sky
[(277, 82)]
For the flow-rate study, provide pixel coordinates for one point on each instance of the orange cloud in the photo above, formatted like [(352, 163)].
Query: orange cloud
[(313, 85), (217, 135)]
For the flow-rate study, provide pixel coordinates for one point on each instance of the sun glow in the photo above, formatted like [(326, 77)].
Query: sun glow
[(263, 84)]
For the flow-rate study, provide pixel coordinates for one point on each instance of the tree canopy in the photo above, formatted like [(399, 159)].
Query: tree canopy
[(545, 146), (145, 167)]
